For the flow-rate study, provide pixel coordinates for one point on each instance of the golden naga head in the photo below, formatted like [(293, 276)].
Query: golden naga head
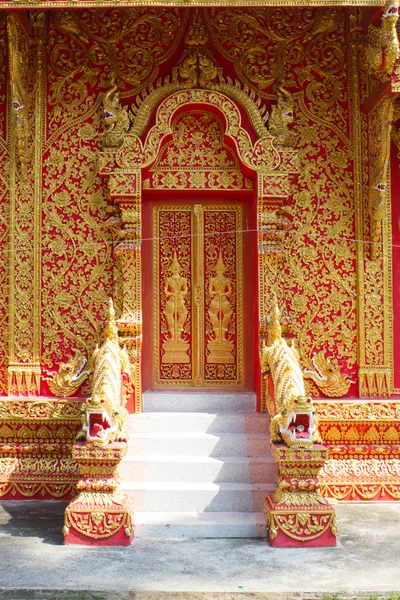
[(391, 10), (300, 424)]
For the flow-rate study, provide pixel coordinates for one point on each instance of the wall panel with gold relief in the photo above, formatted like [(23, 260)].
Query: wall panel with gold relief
[(197, 280), (4, 206)]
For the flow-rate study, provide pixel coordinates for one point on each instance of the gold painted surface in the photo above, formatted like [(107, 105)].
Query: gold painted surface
[(107, 397), (374, 268), (88, 51), (281, 361), (306, 213), (358, 410), (223, 298), (198, 315), (70, 376), (40, 409), (220, 349), (380, 47), (32, 4), (4, 203), (172, 234), (175, 350), (27, 76)]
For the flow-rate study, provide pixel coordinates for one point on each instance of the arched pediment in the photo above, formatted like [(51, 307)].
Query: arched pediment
[(262, 155)]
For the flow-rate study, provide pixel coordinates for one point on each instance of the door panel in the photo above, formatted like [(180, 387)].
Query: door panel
[(198, 328)]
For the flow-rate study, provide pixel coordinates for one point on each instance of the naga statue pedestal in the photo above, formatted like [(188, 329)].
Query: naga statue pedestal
[(101, 515), (297, 515)]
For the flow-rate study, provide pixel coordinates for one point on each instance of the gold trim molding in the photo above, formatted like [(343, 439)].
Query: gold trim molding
[(358, 410), (46, 4)]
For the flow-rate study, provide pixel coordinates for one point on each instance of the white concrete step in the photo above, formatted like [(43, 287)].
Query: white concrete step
[(197, 497), (199, 444), (185, 422), (156, 525), (231, 469), (209, 402)]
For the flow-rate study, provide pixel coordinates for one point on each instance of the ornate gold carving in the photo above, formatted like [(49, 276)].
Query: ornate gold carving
[(116, 120), (198, 272), (281, 117), (374, 276), (26, 138), (70, 376), (175, 289), (32, 4), (297, 511), (105, 418), (223, 353), (293, 420), (18, 49), (302, 526), (98, 525), (172, 238), (101, 510), (198, 341), (279, 40), (381, 45), (379, 127), (351, 410), (328, 377), (40, 409), (89, 49), (220, 312)]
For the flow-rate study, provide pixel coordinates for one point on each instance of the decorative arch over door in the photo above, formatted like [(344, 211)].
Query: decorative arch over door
[(128, 154)]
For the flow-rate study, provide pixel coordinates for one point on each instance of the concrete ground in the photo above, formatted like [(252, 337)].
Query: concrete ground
[(33, 560)]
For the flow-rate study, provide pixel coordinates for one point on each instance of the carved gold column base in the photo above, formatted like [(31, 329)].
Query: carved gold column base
[(101, 515), (297, 516)]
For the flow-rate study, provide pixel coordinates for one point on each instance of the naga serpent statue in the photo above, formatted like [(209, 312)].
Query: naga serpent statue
[(294, 422), (105, 418)]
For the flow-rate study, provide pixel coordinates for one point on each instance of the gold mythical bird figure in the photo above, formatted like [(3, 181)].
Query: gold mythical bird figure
[(295, 422)]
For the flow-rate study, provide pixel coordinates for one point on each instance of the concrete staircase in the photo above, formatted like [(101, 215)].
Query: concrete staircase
[(198, 465)]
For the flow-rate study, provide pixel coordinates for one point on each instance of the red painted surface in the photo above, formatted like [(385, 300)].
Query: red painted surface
[(119, 539)]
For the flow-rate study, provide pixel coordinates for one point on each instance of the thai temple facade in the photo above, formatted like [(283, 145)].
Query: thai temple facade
[(199, 234)]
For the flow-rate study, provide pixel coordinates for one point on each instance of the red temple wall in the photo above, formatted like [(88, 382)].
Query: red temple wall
[(85, 51), (318, 286)]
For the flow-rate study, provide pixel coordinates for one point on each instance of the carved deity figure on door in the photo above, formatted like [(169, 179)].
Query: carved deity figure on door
[(175, 311), (220, 313)]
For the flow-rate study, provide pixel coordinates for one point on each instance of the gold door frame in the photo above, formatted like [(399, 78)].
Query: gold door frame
[(203, 360)]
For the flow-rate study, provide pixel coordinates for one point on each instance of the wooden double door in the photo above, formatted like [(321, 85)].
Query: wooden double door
[(198, 295)]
